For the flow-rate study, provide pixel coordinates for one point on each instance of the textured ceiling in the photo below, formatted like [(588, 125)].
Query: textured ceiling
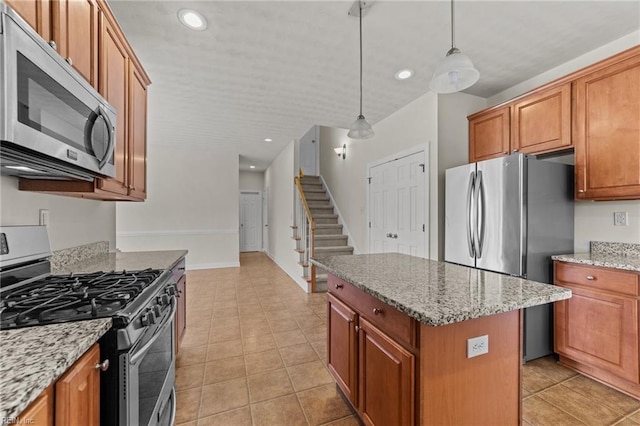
[(273, 69)]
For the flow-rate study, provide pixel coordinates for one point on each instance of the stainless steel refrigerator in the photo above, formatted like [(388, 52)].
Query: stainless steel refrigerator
[(509, 215)]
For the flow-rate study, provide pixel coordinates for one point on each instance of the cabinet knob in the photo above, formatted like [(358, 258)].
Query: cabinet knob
[(580, 190), (591, 277), (69, 61), (53, 45), (357, 328), (377, 311), (103, 366), (339, 286)]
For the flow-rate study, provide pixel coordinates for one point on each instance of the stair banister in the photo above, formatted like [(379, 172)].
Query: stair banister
[(306, 230)]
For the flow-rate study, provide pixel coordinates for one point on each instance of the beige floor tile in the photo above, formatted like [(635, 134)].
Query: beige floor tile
[(270, 384), (279, 314), (579, 406), (550, 368), (224, 334), (239, 417), (309, 375), (321, 349), (538, 412), (635, 417), (192, 423), (263, 361), (224, 396), (224, 350), (255, 329), (282, 324), (190, 355), (187, 405), (225, 313), (196, 337), (258, 343), (526, 393), (323, 404), (534, 380), (225, 322), (189, 376), (224, 369), (289, 338), (315, 334), (617, 401), (347, 421), (273, 306), (298, 354), (626, 422), (280, 411), (311, 322)]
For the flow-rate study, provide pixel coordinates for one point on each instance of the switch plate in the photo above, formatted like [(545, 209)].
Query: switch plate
[(620, 218), (44, 217), (478, 346)]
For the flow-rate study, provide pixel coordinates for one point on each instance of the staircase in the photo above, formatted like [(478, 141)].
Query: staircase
[(319, 235)]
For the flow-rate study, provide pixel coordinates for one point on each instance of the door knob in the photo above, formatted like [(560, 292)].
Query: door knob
[(394, 236), (389, 235)]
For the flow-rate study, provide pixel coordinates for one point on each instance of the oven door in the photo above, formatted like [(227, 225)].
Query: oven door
[(48, 107), (147, 389)]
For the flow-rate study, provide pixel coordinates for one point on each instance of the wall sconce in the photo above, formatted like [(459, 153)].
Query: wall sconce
[(341, 151)]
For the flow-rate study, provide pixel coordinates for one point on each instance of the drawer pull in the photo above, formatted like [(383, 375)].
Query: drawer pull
[(377, 311), (591, 277), (339, 286)]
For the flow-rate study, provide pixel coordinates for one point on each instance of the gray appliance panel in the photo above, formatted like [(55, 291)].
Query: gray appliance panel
[(458, 226), (23, 243)]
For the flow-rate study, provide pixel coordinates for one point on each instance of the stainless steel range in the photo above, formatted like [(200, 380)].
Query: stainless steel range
[(138, 387)]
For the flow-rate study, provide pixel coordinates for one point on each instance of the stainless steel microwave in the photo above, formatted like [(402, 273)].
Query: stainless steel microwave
[(53, 124)]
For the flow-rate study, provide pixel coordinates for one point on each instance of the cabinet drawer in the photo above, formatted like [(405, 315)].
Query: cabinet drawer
[(386, 317), (597, 278)]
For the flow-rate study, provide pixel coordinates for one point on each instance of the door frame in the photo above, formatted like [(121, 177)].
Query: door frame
[(265, 220), (260, 223), (422, 148)]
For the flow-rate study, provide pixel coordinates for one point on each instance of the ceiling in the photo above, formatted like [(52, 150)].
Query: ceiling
[(273, 69)]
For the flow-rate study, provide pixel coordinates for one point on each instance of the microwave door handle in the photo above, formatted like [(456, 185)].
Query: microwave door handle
[(112, 137)]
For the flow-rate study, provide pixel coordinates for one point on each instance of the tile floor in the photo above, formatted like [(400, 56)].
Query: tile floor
[(254, 354)]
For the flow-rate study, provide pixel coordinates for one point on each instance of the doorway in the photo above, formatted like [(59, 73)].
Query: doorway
[(250, 221), (265, 221), (398, 202), (309, 152)]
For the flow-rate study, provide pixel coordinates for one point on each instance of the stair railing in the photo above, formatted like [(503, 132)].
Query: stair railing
[(305, 231)]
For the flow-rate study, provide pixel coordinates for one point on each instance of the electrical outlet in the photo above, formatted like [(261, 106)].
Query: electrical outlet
[(620, 218), (44, 217), (478, 346)]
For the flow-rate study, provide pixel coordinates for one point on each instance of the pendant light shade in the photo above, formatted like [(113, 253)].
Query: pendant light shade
[(360, 129), (456, 71)]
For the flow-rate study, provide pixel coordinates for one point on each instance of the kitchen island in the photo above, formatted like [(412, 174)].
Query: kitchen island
[(401, 339)]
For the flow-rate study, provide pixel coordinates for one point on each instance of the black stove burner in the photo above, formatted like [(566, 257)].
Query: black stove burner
[(60, 298)]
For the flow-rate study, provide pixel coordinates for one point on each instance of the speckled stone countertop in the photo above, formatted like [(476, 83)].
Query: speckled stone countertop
[(119, 261), (438, 293), (609, 255), (33, 358)]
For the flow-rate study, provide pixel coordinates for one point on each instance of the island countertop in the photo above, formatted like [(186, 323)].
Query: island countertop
[(438, 293), (118, 261)]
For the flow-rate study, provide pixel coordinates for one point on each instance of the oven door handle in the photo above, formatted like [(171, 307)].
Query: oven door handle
[(143, 350), (174, 409)]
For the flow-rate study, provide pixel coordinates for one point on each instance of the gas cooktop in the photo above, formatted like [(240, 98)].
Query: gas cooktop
[(75, 297)]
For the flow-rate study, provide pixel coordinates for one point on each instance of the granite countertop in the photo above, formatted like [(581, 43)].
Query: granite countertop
[(33, 358), (609, 255), (438, 293), (119, 261)]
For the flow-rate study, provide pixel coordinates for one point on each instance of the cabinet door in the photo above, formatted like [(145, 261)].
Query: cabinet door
[(37, 13), (489, 134), (342, 346), (599, 329), (542, 121), (181, 310), (137, 134), (114, 77), (75, 31), (78, 392), (386, 379), (40, 411), (607, 132)]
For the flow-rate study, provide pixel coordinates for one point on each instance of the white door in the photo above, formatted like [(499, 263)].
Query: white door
[(265, 220), (309, 152), (250, 221), (397, 206)]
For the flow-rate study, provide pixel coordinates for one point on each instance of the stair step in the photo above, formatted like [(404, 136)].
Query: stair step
[(321, 210), (312, 188), (319, 203), (326, 218), (331, 240), (311, 179), (335, 229), (321, 252), (316, 195)]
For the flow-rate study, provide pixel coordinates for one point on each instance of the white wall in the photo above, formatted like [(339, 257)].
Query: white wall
[(593, 220), (72, 221), (279, 179), (251, 181), (414, 124), (192, 203)]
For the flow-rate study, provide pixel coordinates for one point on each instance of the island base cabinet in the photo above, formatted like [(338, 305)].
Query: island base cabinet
[(341, 349), (78, 392), (39, 412)]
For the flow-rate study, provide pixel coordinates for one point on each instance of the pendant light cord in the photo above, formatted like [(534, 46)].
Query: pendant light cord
[(453, 26), (360, 16)]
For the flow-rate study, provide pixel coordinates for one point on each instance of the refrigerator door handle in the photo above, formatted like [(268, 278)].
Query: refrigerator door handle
[(480, 215), (470, 219)]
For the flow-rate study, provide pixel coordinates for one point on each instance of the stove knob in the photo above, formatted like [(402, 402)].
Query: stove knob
[(152, 317), (157, 311), (165, 299), (171, 290), (159, 300), (144, 319)]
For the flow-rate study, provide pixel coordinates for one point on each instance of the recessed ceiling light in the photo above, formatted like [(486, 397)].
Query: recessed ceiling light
[(252, 166), (404, 74), (192, 19), (268, 140)]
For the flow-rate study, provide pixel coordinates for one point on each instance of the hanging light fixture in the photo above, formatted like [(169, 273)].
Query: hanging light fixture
[(360, 129), (456, 71)]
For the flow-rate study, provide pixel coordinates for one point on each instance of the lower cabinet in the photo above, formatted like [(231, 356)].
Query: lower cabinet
[(596, 331), (74, 400)]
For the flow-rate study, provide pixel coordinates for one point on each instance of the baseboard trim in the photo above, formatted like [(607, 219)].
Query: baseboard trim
[(196, 232), (298, 280), (215, 265)]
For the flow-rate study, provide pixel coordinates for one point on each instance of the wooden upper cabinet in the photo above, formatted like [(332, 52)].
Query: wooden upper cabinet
[(78, 392), (75, 31), (37, 13), (542, 121), (137, 133), (489, 134), (114, 78), (40, 411), (607, 131)]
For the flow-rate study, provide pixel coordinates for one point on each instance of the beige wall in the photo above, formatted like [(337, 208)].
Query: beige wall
[(593, 220), (251, 181), (192, 203), (73, 221)]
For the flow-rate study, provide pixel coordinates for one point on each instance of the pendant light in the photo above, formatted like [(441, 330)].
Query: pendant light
[(360, 129), (456, 71)]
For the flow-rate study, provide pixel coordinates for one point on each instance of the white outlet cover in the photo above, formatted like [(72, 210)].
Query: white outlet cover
[(620, 218), (477, 346)]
